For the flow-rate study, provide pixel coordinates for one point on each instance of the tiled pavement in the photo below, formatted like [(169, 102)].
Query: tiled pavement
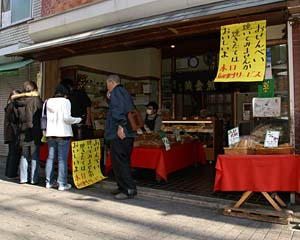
[(93, 214)]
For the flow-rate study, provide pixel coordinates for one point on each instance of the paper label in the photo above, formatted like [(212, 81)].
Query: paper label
[(271, 139), (233, 136), (166, 143)]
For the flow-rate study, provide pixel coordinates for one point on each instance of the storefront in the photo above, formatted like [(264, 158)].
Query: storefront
[(156, 55)]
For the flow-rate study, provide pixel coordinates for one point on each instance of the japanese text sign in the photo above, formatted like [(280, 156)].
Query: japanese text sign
[(86, 155), (242, 56), (233, 136), (266, 107), (271, 139)]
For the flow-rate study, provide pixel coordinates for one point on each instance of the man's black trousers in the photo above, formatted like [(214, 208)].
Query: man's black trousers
[(120, 151)]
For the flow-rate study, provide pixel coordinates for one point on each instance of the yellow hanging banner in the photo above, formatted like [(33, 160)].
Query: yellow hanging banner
[(86, 156), (242, 56)]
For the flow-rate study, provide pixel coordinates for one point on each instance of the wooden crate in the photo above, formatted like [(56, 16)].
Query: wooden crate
[(278, 150), (239, 151), (260, 215)]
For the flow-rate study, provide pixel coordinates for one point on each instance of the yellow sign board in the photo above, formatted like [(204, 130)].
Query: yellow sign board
[(242, 56), (86, 156)]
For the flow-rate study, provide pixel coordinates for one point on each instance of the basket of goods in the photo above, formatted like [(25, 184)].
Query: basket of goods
[(152, 144), (259, 132), (151, 140), (186, 139), (281, 149), (246, 146), (171, 137)]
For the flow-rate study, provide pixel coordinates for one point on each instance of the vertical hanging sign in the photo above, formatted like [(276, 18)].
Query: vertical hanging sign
[(242, 55)]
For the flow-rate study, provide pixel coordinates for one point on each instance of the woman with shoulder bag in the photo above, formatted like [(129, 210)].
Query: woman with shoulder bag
[(59, 134)]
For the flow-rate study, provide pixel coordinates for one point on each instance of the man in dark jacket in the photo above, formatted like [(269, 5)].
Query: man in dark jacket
[(29, 106), (120, 136)]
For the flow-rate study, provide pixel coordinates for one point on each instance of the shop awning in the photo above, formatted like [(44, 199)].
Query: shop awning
[(156, 28), (11, 68)]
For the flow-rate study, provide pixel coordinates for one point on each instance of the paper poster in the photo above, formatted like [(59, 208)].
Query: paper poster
[(247, 111), (271, 139), (266, 107), (268, 74), (86, 156), (242, 56), (233, 136)]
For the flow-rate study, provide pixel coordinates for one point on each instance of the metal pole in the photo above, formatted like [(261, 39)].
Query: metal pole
[(291, 91)]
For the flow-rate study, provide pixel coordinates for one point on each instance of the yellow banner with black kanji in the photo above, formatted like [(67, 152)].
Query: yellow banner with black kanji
[(242, 56), (86, 156)]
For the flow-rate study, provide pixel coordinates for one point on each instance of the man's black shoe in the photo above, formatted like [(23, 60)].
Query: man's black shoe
[(116, 191), (123, 196)]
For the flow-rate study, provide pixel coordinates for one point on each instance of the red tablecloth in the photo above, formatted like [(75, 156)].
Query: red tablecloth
[(165, 162), (259, 173)]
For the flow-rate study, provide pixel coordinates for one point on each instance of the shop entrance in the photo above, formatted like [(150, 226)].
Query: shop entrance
[(179, 76), (161, 64)]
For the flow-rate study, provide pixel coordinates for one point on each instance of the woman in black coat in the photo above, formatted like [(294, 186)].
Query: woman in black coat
[(11, 137)]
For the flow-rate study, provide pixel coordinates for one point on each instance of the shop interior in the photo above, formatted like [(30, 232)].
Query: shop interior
[(179, 74)]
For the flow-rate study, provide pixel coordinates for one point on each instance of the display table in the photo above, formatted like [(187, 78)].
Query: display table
[(258, 173), (165, 162)]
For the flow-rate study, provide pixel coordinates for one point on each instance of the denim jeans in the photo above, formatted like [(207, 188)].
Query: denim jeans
[(57, 148), (30, 152)]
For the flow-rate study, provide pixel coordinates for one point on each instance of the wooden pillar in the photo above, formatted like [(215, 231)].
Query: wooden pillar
[(51, 77)]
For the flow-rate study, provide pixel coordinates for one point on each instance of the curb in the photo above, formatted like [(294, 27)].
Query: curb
[(194, 200), (183, 198)]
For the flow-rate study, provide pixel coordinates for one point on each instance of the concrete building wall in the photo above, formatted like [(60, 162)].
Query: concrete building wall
[(136, 63), (66, 20)]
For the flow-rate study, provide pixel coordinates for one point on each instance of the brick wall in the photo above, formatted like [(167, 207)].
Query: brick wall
[(50, 7), (296, 59)]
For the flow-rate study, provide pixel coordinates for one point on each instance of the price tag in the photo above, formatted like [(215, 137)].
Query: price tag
[(166, 143), (271, 139), (233, 136), (177, 135)]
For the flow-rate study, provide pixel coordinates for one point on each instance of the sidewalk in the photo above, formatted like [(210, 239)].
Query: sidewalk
[(34, 212)]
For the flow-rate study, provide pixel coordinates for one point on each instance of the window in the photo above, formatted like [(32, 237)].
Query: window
[(14, 11)]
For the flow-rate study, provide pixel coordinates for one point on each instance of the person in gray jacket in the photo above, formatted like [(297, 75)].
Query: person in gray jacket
[(120, 136)]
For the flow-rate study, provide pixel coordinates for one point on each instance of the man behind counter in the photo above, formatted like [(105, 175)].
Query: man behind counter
[(152, 119)]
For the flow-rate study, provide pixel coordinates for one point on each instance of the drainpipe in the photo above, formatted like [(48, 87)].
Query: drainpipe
[(291, 82), (291, 90)]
